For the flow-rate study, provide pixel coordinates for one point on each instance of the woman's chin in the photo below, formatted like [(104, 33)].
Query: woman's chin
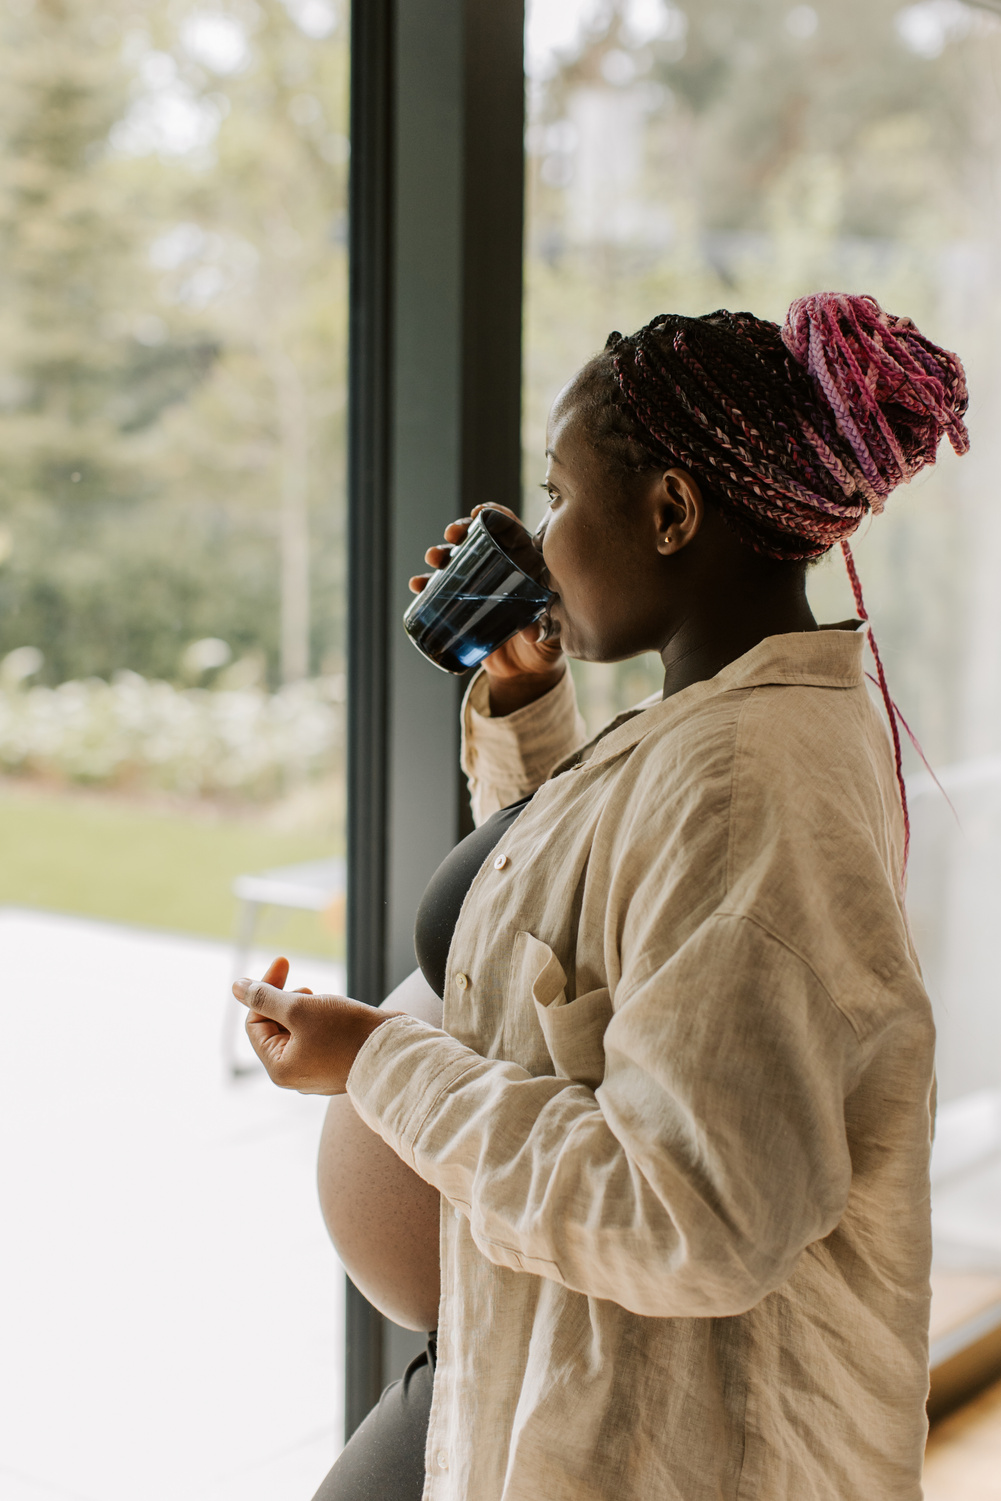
[(580, 642), (579, 653)]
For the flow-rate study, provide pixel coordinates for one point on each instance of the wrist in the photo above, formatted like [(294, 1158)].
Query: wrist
[(508, 694), (367, 1024), (365, 1021)]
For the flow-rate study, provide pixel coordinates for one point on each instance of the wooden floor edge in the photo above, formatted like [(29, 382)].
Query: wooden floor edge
[(964, 1361)]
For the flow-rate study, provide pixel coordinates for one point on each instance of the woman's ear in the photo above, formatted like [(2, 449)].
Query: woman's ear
[(679, 509)]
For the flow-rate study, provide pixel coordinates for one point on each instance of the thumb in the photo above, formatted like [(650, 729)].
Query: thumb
[(267, 1000), (276, 973)]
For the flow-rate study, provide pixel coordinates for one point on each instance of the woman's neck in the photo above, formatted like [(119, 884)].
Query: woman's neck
[(704, 644)]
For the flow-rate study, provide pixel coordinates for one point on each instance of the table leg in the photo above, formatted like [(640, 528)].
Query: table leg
[(246, 927)]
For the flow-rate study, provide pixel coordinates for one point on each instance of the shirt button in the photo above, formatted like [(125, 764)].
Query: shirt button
[(501, 862), (442, 1460), (462, 981), (457, 1212)]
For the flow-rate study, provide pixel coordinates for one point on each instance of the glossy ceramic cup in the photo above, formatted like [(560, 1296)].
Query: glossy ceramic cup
[(484, 595)]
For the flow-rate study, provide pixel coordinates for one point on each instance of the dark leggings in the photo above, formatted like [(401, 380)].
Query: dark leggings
[(384, 1458)]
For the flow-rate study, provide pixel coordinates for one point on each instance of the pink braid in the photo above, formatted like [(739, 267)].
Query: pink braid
[(866, 361), (892, 712)]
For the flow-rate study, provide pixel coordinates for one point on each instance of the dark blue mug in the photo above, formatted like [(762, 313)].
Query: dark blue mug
[(493, 586)]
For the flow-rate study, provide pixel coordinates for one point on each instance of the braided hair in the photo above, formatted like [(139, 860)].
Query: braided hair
[(794, 433)]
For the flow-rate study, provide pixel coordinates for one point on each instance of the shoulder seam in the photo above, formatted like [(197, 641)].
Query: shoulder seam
[(790, 948)]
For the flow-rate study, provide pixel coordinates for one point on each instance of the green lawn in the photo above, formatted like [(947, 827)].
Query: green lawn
[(101, 856)]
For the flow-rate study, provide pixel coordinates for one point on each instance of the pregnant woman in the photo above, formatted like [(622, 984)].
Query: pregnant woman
[(656, 1107)]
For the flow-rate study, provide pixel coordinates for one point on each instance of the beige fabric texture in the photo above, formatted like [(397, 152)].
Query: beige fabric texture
[(506, 759), (680, 1111)]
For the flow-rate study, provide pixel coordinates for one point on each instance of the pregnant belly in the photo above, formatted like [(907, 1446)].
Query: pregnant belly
[(382, 1218)]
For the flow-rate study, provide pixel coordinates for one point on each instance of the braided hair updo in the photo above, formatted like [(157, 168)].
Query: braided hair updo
[(794, 432)]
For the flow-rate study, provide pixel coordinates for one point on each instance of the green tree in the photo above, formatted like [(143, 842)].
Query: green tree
[(79, 377), (172, 364), (272, 214)]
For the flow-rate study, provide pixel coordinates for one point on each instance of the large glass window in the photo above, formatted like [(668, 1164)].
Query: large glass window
[(740, 153), (172, 389)]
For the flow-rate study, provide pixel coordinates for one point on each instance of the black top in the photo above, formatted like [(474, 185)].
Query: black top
[(445, 893)]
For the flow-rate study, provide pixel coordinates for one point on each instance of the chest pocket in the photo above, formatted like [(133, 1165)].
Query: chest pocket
[(572, 1031)]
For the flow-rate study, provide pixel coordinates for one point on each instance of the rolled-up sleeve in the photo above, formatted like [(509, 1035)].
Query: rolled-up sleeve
[(505, 759), (696, 1174)]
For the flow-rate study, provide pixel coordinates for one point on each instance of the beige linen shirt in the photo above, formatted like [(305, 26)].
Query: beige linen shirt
[(680, 1109)]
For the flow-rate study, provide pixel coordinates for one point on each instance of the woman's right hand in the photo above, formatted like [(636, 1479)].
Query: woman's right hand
[(524, 668)]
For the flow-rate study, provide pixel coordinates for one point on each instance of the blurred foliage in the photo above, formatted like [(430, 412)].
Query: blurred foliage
[(740, 153), (236, 742), (172, 331)]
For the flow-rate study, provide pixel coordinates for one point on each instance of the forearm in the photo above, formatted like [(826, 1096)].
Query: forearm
[(687, 1185), (619, 1243)]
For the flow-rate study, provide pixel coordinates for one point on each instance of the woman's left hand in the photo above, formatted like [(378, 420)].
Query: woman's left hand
[(306, 1042)]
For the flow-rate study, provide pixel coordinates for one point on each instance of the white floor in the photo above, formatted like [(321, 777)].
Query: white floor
[(170, 1307)]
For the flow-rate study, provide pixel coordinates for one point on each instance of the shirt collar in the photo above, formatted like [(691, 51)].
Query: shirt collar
[(830, 657)]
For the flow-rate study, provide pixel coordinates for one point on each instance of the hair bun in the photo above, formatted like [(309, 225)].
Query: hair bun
[(893, 393)]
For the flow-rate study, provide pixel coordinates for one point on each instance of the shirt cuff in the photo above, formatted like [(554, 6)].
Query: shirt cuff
[(400, 1073), (507, 758)]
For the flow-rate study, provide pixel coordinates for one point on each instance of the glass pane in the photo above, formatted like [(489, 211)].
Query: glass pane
[(172, 388), (684, 157), (731, 155)]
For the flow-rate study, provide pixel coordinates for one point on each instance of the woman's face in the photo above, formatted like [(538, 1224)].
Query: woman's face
[(604, 546)]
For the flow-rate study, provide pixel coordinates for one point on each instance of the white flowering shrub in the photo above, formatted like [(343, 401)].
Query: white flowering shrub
[(132, 731)]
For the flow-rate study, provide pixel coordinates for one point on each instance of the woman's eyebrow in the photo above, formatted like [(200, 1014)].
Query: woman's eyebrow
[(551, 454)]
